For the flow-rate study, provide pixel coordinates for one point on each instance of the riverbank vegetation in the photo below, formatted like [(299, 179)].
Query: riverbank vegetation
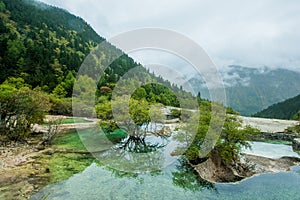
[(20, 109)]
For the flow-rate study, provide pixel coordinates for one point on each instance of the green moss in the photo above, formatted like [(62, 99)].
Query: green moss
[(74, 121), (62, 166), (69, 141), (73, 141), (116, 136), (71, 121)]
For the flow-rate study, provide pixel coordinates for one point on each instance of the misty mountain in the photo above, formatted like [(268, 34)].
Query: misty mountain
[(250, 90)]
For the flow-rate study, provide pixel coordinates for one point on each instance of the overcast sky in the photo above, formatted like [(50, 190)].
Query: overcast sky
[(248, 33)]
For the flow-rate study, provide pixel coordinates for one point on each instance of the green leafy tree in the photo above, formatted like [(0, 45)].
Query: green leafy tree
[(139, 111), (84, 96), (232, 139), (2, 7), (60, 106), (156, 116), (60, 91), (103, 111), (68, 83), (16, 83), (20, 110), (140, 93)]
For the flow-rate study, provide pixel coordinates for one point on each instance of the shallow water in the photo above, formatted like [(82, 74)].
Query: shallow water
[(270, 150), (175, 180), (98, 182)]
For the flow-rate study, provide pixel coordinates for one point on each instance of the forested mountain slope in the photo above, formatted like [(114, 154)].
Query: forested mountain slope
[(45, 46), (288, 109), (42, 44)]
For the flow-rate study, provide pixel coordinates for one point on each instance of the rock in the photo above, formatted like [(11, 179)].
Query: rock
[(276, 136), (212, 172), (249, 166), (268, 125), (296, 144), (40, 147), (269, 165)]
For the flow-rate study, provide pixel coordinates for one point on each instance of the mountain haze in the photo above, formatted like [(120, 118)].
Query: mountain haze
[(250, 90)]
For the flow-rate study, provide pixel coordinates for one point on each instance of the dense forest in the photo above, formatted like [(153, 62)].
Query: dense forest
[(42, 45), (288, 109)]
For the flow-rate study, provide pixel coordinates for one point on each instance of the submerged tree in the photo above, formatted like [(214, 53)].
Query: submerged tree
[(138, 119)]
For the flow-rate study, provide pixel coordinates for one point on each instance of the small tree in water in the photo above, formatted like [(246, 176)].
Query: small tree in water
[(134, 117), (228, 147)]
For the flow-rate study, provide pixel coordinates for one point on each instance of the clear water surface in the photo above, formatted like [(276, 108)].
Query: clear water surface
[(173, 181)]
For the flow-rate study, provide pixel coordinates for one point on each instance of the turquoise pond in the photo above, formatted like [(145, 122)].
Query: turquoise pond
[(97, 182), (174, 179)]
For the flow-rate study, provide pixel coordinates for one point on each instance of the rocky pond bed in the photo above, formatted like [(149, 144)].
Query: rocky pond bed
[(26, 168), (249, 165)]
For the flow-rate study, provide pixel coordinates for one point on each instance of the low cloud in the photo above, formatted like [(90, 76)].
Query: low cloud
[(248, 33)]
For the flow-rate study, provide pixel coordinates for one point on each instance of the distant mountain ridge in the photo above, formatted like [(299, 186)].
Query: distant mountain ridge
[(250, 90), (288, 109)]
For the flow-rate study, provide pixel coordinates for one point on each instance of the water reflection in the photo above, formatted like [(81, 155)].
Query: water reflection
[(183, 176), (141, 144), (137, 153), (187, 178), (100, 182), (174, 182)]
